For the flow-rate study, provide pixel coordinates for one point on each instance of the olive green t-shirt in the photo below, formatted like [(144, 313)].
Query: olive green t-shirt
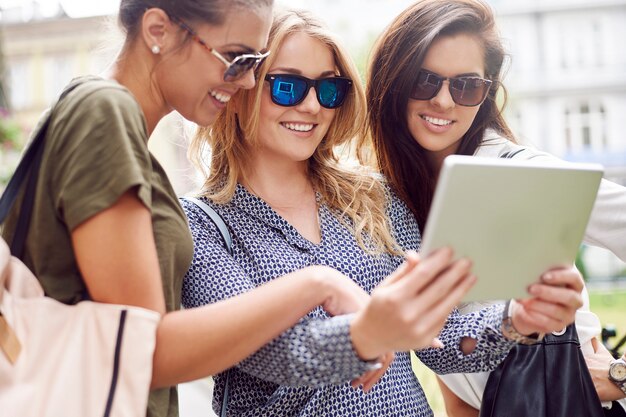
[(95, 151)]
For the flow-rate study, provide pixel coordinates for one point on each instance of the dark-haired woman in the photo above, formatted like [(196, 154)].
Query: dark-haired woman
[(433, 80)]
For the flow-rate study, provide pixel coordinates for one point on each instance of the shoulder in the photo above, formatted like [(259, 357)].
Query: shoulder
[(94, 90), (98, 115), (495, 146), (395, 205), (207, 224), (97, 100), (204, 214), (194, 211), (402, 221)]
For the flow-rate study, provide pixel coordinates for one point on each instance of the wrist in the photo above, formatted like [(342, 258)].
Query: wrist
[(363, 343), (317, 280), (510, 330), (617, 374)]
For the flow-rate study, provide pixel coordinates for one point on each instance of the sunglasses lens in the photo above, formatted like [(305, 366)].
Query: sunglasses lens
[(426, 86), (468, 91), (240, 66), (288, 90), (331, 92)]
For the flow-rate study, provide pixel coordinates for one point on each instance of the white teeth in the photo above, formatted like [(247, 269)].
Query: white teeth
[(438, 122), (299, 127), (221, 97)]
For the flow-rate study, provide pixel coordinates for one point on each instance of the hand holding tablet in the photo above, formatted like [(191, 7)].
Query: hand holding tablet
[(514, 219)]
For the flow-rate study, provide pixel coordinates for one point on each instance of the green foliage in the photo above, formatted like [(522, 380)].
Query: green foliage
[(610, 306), (10, 134), (580, 264), (10, 145)]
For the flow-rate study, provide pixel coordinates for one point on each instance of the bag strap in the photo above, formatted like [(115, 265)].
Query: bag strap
[(27, 169), (228, 242), (216, 219), (511, 154)]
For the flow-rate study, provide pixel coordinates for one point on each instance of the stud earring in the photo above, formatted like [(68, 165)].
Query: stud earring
[(156, 49)]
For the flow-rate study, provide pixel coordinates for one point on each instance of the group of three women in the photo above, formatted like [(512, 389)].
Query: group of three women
[(312, 237)]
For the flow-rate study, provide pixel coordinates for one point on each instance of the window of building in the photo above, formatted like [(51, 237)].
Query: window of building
[(20, 83), (59, 69), (581, 43), (585, 127)]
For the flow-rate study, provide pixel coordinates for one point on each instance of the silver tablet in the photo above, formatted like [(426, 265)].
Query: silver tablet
[(513, 219)]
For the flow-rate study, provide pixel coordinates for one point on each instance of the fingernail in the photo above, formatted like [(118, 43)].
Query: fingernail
[(533, 289), (548, 277)]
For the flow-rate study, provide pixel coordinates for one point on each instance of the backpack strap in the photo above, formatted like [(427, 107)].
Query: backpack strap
[(27, 169), (228, 242)]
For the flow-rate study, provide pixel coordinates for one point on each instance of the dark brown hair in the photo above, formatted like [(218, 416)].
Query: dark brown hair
[(396, 59), (205, 11)]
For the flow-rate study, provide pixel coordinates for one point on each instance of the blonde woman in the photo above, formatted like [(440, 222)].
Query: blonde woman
[(289, 203)]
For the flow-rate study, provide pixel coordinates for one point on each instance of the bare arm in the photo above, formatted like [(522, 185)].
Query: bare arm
[(117, 257)]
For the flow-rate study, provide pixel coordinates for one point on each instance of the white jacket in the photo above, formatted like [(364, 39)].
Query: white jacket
[(606, 229)]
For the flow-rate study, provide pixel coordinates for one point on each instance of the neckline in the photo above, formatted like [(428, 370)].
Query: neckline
[(257, 207)]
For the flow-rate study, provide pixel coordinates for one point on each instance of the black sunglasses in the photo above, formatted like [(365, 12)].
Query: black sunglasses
[(236, 68), (465, 91), (290, 90)]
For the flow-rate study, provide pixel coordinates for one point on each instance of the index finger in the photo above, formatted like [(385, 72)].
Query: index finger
[(410, 261), (429, 268), (570, 278)]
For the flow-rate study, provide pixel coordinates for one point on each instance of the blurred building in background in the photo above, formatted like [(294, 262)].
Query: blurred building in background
[(567, 81)]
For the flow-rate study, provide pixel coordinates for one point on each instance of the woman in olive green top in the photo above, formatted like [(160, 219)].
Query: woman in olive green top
[(107, 224)]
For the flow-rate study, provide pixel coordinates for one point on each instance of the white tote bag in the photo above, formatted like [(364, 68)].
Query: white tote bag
[(89, 359)]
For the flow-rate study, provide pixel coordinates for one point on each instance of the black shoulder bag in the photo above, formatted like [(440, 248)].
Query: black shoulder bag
[(547, 379)]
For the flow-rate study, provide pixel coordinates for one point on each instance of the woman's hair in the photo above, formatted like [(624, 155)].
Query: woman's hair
[(204, 11), (355, 194), (396, 59)]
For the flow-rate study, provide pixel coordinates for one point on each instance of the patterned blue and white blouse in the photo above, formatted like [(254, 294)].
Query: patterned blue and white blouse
[(306, 371)]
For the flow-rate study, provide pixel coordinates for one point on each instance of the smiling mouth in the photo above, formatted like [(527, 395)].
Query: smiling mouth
[(299, 127), (437, 122), (221, 97)]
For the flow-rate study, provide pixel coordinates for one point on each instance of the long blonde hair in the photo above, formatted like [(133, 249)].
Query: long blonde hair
[(354, 193)]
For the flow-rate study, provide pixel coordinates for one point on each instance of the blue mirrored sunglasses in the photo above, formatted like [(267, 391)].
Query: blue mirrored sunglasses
[(290, 90)]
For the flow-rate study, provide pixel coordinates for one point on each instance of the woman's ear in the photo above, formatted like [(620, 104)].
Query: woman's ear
[(157, 30)]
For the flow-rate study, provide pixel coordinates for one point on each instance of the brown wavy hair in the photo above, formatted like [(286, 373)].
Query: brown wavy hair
[(355, 194), (396, 59)]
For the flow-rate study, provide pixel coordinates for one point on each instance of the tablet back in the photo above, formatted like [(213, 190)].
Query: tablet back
[(513, 219)]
